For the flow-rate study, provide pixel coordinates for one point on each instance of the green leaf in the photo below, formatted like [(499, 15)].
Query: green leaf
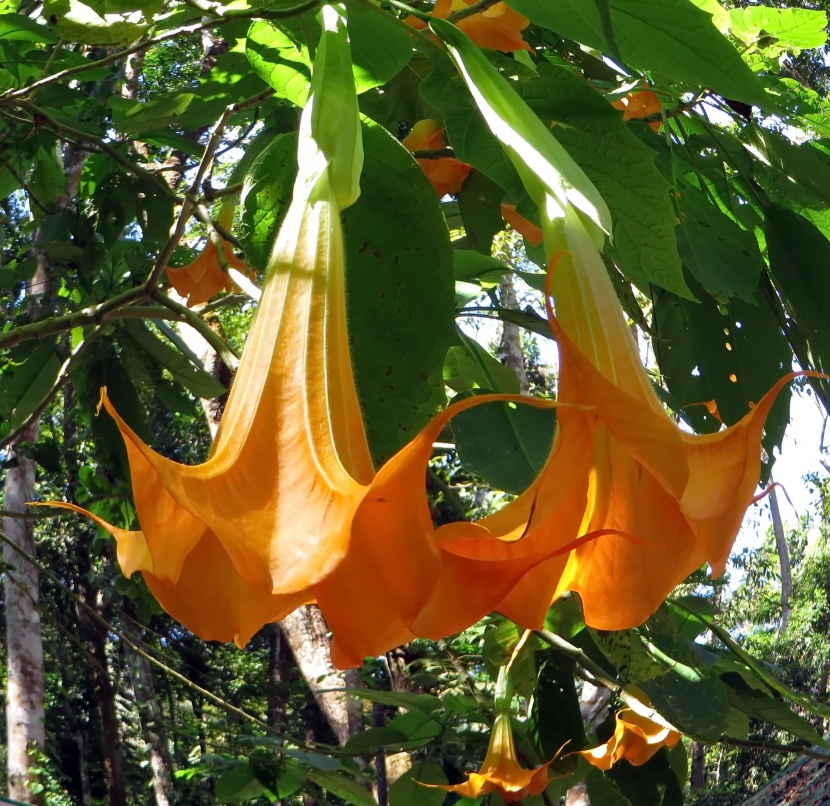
[(724, 258), (407, 791), (184, 370), (468, 367), (698, 707), (380, 47), (793, 29), (806, 164), (19, 27), (505, 444), (478, 204), (626, 651), (398, 279), (672, 38), (81, 22), (371, 741), (555, 718), (398, 699), (757, 666), (798, 255), (757, 705), (467, 133), (730, 354), (238, 785), (602, 792), (346, 788), (279, 61), (622, 168), (26, 379)]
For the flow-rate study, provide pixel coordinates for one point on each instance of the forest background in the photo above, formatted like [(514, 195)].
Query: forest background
[(127, 126)]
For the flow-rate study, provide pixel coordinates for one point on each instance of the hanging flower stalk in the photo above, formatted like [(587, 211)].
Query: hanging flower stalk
[(671, 500)]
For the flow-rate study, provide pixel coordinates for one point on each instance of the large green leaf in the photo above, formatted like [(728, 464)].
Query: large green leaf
[(673, 38), (555, 718), (82, 22), (467, 132), (724, 258), (468, 366), (731, 355), (793, 29), (26, 378), (399, 279), (798, 255), (185, 371), (409, 791), (695, 703), (279, 61), (759, 667), (505, 444), (760, 706), (237, 785), (346, 788), (621, 166)]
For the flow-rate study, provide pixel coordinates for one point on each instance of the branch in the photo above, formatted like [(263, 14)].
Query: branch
[(476, 8), (774, 747)]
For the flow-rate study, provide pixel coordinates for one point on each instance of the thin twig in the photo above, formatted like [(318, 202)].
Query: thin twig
[(476, 8)]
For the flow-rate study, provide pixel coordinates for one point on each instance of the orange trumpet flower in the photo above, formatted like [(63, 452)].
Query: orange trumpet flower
[(205, 276), (640, 104), (498, 27), (501, 771), (446, 174), (636, 739)]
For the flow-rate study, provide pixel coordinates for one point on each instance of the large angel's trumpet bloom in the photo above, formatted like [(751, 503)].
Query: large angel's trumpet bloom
[(671, 500), (636, 739)]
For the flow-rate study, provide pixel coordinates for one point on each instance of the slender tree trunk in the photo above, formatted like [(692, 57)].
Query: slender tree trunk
[(96, 638), (153, 727), (307, 634), (510, 347), (697, 779), (25, 713), (591, 702), (784, 561)]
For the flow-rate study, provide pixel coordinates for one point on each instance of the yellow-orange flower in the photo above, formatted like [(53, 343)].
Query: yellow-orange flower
[(446, 174), (205, 276), (640, 104), (501, 771), (675, 500), (497, 28), (636, 739)]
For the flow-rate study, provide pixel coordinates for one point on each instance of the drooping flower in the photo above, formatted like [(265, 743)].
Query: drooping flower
[(640, 104), (501, 771), (668, 500), (446, 174), (498, 27), (205, 276), (527, 229), (636, 739)]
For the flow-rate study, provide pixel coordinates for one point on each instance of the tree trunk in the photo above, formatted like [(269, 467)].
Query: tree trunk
[(306, 632), (25, 714), (153, 726), (784, 561), (697, 779), (591, 702), (510, 347)]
